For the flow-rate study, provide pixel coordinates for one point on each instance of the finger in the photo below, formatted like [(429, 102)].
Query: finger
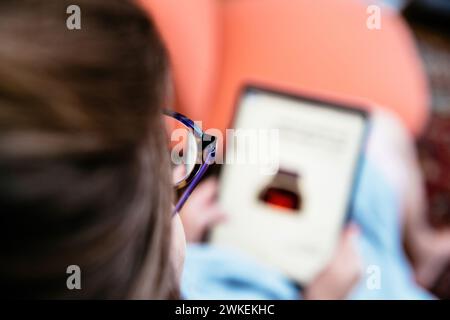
[(211, 214), (443, 240), (351, 230), (349, 236), (206, 191), (348, 244), (214, 215)]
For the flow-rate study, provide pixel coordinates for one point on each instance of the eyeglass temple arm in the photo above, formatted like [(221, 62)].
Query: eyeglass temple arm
[(194, 182)]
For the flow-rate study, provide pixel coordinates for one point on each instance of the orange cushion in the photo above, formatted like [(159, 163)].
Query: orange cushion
[(191, 30), (319, 45)]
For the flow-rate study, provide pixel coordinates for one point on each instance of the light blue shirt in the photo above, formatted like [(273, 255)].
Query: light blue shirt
[(217, 273)]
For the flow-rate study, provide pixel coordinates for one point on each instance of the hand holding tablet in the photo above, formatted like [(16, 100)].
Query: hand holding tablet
[(291, 216)]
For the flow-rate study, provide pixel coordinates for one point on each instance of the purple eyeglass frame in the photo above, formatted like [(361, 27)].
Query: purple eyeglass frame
[(206, 154)]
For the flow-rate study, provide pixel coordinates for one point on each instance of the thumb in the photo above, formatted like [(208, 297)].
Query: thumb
[(351, 232), (214, 215)]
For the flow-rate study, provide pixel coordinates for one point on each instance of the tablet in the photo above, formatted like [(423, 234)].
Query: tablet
[(291, 166)]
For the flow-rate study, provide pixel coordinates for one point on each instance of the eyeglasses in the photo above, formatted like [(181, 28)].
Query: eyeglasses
[(191, 152)]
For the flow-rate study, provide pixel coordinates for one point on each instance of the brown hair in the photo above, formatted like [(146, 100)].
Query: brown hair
[(84, 179)]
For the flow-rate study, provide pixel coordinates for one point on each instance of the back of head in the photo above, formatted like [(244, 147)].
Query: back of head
[(84, 179)]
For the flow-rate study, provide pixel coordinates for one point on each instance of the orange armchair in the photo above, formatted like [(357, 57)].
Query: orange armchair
[(322, 45)]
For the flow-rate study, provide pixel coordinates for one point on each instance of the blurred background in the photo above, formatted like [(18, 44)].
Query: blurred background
[(322, 46), (430, 23)]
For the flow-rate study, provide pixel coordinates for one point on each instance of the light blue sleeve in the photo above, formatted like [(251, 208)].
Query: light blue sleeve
[(387, 273), (218, 273)]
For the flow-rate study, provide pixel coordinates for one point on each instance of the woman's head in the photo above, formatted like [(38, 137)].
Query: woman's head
[(84, 179)]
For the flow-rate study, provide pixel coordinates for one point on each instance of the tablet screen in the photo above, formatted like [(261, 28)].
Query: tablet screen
[(290, 169)]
